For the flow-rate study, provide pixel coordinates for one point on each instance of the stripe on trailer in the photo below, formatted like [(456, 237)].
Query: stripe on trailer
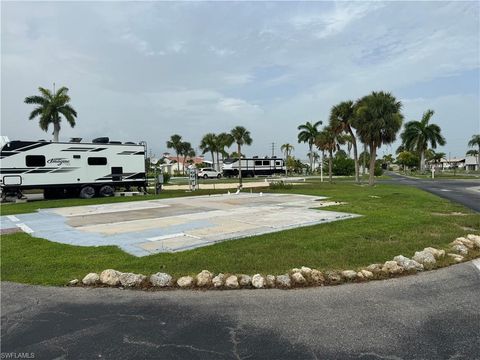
[(140, 175), (28, 147), (97, 149), (126, 153), (140, 153)]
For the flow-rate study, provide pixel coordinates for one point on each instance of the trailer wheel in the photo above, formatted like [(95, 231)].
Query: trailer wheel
[(87, 192), (219, 176), (106, 190)]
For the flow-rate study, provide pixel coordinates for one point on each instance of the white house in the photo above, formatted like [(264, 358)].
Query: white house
[(468, 163)]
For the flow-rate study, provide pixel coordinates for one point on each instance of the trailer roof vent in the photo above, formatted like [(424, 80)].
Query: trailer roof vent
[(101, 140), (129, 143), (75, 140)]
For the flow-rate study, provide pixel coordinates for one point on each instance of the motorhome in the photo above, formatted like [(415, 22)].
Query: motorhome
[(254, 166), (71, 168)]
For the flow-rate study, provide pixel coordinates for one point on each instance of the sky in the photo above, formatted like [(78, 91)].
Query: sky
[(146, 70)]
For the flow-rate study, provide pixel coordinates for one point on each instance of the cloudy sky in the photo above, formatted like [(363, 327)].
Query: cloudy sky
[(147, 70)]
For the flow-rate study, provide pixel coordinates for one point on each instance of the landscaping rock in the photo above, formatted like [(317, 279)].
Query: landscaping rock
[(258, 281), (161, 279), (461, 249), (73, 282), (298, 278), (437, 254), (218, 280), (367, 274), (360, 276), (456, 257), (306, 271), (333, 278), (270, 281), (391, 267), (374, 268), (464, 241), (91, 279), (317, 277), (131, 280), (283, 281), (425, 258), (185, 281), (110, 277), (294, 270), (232, 282), (204, 278), (475, 239), (349, 274), (245, 280), (408, 264)]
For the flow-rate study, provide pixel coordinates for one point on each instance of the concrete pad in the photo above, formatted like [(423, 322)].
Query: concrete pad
[(176, 224)]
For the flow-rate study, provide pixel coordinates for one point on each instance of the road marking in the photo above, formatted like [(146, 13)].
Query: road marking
[(25, 228), (445, 190), (12, 218), (163, 237), (476, 262)]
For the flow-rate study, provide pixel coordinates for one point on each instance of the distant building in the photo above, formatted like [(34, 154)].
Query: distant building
[(169, 163), (468, 163)]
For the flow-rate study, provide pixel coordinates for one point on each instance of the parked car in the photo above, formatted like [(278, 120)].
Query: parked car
[(209, 173)]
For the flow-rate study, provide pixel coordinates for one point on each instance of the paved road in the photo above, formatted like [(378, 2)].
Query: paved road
[(434, 315), (465, 192)]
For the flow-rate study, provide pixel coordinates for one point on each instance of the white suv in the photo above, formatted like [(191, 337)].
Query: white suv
[(209, 173)]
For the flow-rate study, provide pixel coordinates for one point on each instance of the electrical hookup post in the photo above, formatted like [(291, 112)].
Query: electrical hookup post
[(192, 178)]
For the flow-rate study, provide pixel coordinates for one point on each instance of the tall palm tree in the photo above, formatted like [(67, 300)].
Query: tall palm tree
[(186, 150), (418, 134), (175, 143), (224, 140), (378, 120), (307, 134), (287, 150), (209, 144), (475, 141), (326, 141), (342, 119), (240, 136), (51, 107)]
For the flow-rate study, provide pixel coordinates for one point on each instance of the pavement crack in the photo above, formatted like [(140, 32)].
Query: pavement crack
[(385, 357), (127, 340), (235, 342)]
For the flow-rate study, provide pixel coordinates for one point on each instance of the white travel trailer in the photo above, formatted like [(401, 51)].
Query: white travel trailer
[(254, 167), (72, 168)]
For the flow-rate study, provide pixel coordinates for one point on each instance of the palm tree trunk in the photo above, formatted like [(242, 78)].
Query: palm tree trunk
[(355, 157), (218, 161), (310, 156), (178, 162), (478, 158), (330, 160), (239, 166), (364, 159), (373, 154), (56, 131), (213, 159), (422, 161)]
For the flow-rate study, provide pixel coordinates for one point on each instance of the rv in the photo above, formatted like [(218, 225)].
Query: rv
[(71, 168), (254, 167)]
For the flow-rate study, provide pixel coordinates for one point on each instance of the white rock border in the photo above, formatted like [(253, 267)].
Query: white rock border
[(458, 251)]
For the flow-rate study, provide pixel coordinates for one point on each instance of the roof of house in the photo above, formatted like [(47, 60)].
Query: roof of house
[(180, 159)]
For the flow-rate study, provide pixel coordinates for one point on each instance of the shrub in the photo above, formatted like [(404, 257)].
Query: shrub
[(343, 166), (279, 185)]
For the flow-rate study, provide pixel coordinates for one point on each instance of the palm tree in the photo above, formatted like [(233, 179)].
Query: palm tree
[(378, 120), (475, 141), (326, 141), (175, 143), (209, 144), (186, 150), (308, 133), (342, 119), (287, 149), (240, 136), (418, 134), (224, 140), (50, 108)]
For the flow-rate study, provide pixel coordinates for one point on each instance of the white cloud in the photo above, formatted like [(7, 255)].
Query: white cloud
[(238, 79), (237, 106)]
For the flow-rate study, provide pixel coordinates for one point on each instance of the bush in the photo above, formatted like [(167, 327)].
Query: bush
[(378, 168), (343, 166), (166, 177), (279, 185)]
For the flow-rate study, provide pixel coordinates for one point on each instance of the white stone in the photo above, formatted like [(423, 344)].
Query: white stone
[(244, 280), (298, 278), (360, 275), (374, 268), (294, 270), (461, 249), (204, 278), (73, 282), (110, 277), (185, 281), (408, 264), (425, 258), (270, 281), (475, 239), (317, 277), (232, 282), (161, 279), (91, 279), (349, 274), (306, 271), (283, 281), (463, 241), (437, 254), (258, 281), (456, 257), (130, 279), (367, 274), (218, 280), (391, 267), (334, 278)]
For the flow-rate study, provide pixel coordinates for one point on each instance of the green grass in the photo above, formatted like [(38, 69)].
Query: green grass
[(396, 220)]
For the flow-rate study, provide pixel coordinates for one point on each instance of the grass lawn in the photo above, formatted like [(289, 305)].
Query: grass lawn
[(396, 220)]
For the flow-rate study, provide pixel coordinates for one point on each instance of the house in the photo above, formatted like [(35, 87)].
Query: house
[(468, 163), (172, 164)]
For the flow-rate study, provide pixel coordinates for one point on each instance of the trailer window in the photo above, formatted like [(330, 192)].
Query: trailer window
[(278, 163), (266, 162), (97, 161), (35, 160), (258, 162)]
